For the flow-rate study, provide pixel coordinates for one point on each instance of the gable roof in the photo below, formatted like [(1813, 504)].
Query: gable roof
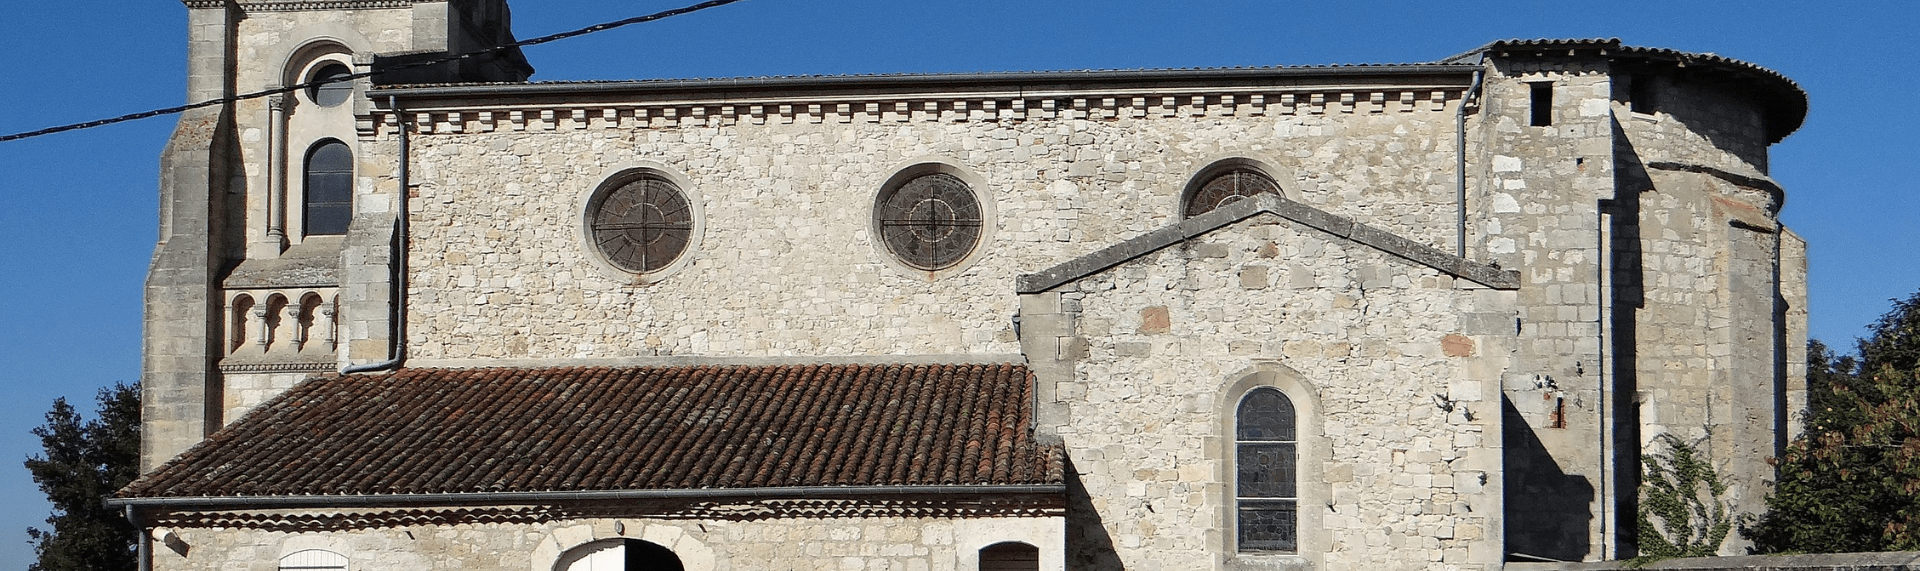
[(585, 429), (1339, 226)]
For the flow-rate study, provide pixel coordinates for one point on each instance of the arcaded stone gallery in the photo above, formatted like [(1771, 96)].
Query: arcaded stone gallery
[(1408, 316)]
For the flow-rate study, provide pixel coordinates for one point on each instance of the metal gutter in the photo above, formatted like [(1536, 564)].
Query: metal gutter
[(589, 495)]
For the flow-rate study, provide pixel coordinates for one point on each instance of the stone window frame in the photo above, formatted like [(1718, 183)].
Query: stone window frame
[(1223, 165), (612, 179), (906, 172), (570, 558), (1313, 497), (1000, 550), (298, 548), (307, 124), (551, 551)]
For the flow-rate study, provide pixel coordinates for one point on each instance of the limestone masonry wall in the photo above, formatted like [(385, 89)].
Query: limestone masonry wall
[(1393, 368), (835, 544)]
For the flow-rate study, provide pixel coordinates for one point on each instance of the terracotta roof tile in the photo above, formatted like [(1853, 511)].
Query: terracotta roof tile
[(589, 429)]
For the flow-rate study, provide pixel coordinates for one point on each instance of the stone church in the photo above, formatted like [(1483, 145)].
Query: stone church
[(1408, 316)]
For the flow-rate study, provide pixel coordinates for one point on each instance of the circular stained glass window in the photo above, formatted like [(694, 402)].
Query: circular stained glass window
[(1229, 187), (931, 223), (334, 90), (642, 225)]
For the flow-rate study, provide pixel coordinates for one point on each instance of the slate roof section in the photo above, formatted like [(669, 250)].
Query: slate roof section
[(1229, 214), (452, 431)]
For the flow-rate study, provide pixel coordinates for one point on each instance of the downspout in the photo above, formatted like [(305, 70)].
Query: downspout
[(1460, 156), (397, 331), (143, 545)]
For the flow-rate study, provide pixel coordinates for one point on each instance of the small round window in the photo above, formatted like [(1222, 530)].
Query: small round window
[(329, 92), (1229, 187), (931, 222), (642, 224)]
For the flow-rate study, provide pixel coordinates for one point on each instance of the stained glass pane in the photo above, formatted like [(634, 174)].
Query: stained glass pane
[(931, 222), (1229, 187), (1269, 526), (329, 189), (1265, 414), (644, 225), (1266, 470)]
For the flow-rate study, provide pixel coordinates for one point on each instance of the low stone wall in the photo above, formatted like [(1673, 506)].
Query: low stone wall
[(1816, 562)]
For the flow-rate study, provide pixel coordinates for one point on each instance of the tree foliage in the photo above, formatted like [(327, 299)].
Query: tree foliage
[(1681, 491), (1851, 482), (84, 462)]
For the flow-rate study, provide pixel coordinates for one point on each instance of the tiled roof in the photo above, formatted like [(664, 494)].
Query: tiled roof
[(1787, 100), (438, 431)]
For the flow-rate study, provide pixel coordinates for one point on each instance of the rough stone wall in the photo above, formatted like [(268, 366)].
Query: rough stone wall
[(180, 339), (1698, 123), (247, 390), (1793, 292), (845, 544), (787, 265), (1710, 287), (1393, 368), (1539, 189)]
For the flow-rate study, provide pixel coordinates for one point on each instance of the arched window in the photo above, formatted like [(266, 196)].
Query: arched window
[(1265, 459), (619, 555), (329, 190), (1228, 186), (1010, 556), (314, 560)]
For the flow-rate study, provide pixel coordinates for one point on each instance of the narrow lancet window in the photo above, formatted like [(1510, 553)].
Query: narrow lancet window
[(329, 188), (1265, 457)]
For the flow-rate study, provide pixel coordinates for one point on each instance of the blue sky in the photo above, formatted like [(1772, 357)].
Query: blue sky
[(78, 210)]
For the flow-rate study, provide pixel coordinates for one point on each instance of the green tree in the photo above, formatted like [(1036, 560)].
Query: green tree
[(85, 461), (1851, 482)]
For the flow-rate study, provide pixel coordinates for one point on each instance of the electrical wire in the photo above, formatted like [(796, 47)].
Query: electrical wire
[(292, 88)]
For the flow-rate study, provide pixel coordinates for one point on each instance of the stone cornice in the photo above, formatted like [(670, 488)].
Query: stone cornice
[(295, 5), (453, 116), (1339, 226), (306, 367)]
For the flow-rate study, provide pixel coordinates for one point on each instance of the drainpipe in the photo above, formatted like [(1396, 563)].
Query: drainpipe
[(143, 545), (1460, 154), (398, 297)]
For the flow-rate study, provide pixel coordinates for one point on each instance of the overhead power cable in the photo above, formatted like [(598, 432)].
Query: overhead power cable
[(410, 65)]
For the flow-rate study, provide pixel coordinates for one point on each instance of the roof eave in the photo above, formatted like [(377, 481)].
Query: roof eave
[(509, 498), (930, 81)]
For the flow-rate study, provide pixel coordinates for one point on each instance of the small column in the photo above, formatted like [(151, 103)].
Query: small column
[(275, 240), (296, 334), (327, 327), (264, 335)]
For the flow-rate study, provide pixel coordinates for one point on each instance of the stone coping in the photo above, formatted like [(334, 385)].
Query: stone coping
[(1339, 226), (1885, 561)]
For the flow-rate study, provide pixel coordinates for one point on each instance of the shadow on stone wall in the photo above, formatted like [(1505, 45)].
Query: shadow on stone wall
[(1548, 511), (1089, 548)]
